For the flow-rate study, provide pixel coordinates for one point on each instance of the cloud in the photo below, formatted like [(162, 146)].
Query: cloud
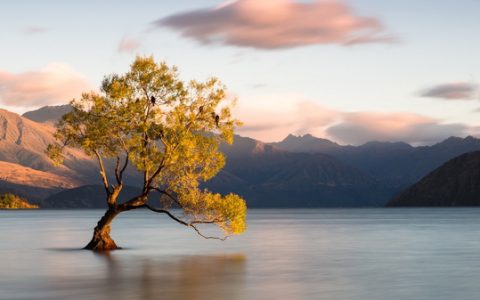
[(276, 24), (56, 83), (452, 91), (128, 44), (271, 118), (34, 30), (360, 127)]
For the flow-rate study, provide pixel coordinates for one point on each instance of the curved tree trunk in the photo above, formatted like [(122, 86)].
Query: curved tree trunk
[(101, 240)]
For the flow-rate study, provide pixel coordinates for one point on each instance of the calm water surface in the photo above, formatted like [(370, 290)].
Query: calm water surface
[(286, 254)]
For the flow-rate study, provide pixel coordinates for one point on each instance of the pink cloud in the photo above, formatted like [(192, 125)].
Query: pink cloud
[(57, 83), (271, 118), (360, 127), (274, 24), (128, 44)]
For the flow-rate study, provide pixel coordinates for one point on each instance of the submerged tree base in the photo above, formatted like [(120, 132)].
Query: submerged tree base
[(102, 244), (101, 240)]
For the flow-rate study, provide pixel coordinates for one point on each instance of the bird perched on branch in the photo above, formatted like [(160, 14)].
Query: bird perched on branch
[(153, 100), (216, 118)]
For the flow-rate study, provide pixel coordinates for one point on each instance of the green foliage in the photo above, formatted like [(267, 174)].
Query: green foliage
[(11, 201), (169, 130)]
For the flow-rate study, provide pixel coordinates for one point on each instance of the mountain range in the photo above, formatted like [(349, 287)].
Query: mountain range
[(397, 165), (300, 171)]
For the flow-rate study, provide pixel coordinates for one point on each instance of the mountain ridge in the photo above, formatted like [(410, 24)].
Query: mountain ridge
[(300, 171), (455, 183), (397, 164), (48, 114)]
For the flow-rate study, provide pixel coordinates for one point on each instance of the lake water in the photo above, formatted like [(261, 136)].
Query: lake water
[(361, 254)]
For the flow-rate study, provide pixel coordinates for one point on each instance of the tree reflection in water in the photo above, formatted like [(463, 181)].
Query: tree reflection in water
[(185, 277)]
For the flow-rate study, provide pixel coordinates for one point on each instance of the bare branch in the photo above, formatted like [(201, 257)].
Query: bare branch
[(119, 172), (156, 173), (124, 165), (134, 203), (164, 211), (208, 237), (146, 143), (205, 222), (190, 224), (103, 174), (161, 165)]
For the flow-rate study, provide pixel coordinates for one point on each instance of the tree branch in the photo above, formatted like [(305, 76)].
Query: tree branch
[(127, 159), (102, 172), (167, 194), (208, 237), (205, 222), (164, 211), (161, 166), (119, 172), (156, 173), (190, 224), (146, 142), (134, 203)]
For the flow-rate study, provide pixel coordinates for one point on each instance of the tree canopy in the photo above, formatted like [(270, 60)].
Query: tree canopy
[(168, 130)]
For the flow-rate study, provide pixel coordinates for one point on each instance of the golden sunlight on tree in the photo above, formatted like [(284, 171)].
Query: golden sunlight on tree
[(169, 131)]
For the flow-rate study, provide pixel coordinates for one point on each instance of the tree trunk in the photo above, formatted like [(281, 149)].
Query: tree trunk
[(101, 240)]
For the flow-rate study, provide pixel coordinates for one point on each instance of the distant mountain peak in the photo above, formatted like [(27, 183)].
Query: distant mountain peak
[(454, 141), (245, 146), (470, 138), (309, 136), (305, 143), (306, 136), (48, 114), (291, 136)]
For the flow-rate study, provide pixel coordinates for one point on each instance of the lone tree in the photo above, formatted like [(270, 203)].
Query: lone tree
[(169, 131)]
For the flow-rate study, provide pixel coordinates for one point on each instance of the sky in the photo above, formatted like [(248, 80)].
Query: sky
[(348, 70)]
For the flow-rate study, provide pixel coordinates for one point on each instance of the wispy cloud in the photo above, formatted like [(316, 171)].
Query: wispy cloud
[(452, 91), (128, 44), (271, 118), (360, 127), (274, 24), (56, 83)]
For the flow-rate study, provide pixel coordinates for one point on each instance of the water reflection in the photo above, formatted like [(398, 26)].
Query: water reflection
[(347, 254), (187, 277)]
